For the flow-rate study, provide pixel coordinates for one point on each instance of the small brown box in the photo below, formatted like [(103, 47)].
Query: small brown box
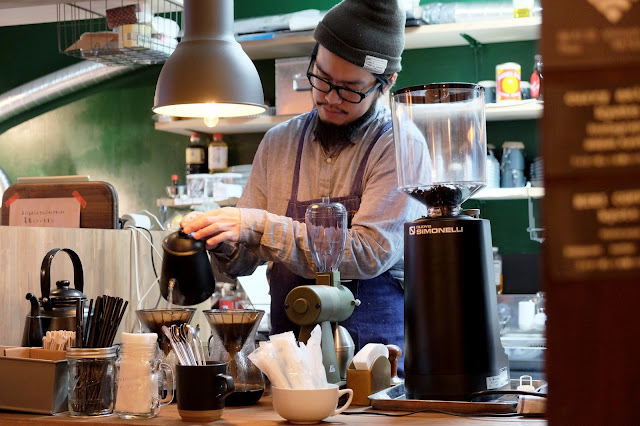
[(367, 382), (95, 42), (122, 15), (33, 380)]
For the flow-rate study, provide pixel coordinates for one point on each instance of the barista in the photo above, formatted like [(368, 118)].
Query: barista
[(343, 149)]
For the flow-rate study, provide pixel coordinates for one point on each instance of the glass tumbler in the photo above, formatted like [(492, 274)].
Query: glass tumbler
[(92, 378)]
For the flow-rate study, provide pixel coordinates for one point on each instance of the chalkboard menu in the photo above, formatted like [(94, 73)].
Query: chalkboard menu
[(591, 150)]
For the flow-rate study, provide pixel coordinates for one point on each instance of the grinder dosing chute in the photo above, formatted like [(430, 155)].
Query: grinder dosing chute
[(452, 340)]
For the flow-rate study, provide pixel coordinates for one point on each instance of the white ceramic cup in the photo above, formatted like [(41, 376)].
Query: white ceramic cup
[(308, 406)]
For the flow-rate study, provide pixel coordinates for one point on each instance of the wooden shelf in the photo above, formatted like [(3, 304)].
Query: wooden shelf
[(520, 110), (522, 193), (424, 36), (525, 110), (178, 202), (286, 45)]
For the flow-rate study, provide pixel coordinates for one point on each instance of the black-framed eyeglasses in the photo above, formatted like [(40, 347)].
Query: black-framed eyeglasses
[(346, 94)]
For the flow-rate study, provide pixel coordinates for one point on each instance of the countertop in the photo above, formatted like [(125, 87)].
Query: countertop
[(263, 414)]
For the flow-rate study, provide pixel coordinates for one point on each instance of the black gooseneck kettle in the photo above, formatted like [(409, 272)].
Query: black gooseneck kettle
[(187, 277), (56, 310)]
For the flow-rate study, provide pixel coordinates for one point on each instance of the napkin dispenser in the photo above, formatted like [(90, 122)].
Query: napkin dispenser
[(370, 381)]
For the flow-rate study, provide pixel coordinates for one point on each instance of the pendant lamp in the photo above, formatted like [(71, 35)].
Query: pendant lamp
[(208, 75)]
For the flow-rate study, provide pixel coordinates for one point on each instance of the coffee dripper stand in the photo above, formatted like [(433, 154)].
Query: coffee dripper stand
[(233, 332), (328, 302)]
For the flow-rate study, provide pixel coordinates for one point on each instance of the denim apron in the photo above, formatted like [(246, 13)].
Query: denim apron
[(380, 316)]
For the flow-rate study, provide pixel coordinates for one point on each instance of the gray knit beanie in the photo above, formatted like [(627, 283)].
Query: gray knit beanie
[(367, 33)]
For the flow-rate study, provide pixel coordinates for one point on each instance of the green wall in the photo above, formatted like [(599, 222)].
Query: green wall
[(107, 131)]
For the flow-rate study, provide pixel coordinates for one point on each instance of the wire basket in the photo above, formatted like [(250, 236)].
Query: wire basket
[(120, 32)]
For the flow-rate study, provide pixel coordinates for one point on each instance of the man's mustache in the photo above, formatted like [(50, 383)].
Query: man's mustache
[(341, 111)]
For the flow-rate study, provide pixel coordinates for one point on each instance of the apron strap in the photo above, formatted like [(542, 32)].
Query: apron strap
[(296, 174), (356, 188)]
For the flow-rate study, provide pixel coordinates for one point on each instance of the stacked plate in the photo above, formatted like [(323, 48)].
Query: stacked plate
[(536, 174)]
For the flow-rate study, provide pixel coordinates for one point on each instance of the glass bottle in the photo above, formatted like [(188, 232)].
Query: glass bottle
[(196, 155), (536, 78), (139, 387), (228, 300), (218, 154), (497, 269)]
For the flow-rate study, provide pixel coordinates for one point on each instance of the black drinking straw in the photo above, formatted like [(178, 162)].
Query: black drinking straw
[(79, 309), (94, 319), (114, 329), (87, 325), (104, 324)]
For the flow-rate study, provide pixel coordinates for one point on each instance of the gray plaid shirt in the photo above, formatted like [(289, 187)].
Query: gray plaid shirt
[(375, 241)]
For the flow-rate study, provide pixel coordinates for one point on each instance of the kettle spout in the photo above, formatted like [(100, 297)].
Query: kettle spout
[(35, 306), (34, 331)]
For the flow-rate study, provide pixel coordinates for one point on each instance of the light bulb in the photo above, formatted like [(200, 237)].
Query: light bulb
[(211, 121)]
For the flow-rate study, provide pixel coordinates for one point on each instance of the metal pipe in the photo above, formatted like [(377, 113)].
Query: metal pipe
[(4, 182), (55, 85)]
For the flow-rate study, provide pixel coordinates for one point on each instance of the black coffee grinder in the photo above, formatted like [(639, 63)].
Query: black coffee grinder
[(452, 340)]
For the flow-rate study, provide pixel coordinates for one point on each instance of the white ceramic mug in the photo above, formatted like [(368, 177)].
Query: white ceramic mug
[(308, 406)]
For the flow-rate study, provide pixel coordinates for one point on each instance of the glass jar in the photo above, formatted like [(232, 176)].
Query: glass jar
[(92, 375), (140, 384)]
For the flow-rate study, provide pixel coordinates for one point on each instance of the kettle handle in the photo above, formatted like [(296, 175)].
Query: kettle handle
[(45, 274)]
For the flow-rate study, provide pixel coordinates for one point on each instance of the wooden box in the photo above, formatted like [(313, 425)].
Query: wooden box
[(98, 200)]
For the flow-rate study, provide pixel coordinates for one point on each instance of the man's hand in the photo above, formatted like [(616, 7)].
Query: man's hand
[(214, 226)]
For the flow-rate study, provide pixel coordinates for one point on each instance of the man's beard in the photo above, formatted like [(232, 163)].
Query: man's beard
[(330, 135)]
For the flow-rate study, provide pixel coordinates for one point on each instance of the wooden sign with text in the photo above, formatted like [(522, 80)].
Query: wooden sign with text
[(591, 150)]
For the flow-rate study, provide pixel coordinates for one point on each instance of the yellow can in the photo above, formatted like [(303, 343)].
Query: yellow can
[(508, 82)]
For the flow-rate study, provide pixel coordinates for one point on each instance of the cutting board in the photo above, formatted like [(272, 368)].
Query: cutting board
[(98, 200)]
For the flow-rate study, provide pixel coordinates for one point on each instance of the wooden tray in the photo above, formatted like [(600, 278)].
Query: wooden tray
[(99, 200), (394, 399)]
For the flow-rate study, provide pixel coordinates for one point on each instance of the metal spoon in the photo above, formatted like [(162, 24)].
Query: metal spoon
[(180, 344), (169, 333), (184, 336), (203, 357), (194, 338)]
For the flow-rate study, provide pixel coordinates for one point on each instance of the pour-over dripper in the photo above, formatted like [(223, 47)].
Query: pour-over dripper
[(153, 319), (440, 134), (327, 233), (233, 333)]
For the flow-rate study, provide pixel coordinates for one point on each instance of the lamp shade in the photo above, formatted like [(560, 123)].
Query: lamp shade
[(208, 75)]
